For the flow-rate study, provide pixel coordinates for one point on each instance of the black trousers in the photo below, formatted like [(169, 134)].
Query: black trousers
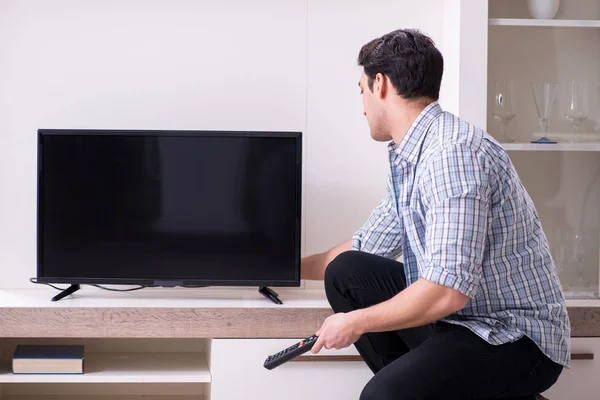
[(438, 361)]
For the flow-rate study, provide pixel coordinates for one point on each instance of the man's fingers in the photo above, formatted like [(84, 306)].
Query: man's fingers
[(317, 346)]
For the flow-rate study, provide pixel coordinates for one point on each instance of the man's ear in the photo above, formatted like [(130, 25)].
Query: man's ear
[(381, 85)]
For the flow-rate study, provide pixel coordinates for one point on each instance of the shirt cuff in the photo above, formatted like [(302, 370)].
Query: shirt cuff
[(441, 276), (357, 240)]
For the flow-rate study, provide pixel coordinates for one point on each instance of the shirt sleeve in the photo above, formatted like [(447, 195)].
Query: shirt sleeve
[(455, 192), (381, 234)]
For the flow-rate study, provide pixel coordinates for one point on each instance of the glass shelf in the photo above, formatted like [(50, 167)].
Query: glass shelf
[(557, 23), (551, 147)]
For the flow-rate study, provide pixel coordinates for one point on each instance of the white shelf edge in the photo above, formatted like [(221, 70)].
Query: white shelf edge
[(551, 147), (39, 297), (582, 302), (100, 397), (126, 368), (559, 23)]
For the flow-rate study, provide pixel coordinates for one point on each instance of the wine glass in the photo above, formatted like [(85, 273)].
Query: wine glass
[(562, 249), (504, 106), (544, 95), (579, 247), (577, 111)]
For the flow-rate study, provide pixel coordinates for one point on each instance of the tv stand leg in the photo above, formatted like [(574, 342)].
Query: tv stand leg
[(270, 294), (70, 290)]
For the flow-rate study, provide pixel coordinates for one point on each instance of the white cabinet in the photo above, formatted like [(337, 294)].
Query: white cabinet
[(563, 177), (238, 372), (580, 382)]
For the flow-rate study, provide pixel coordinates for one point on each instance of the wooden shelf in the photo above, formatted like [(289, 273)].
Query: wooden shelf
[(551, 147), (126, 368), (558, 23)]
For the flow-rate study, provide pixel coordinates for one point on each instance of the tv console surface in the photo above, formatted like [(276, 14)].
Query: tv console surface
[(180, 343), (163, 312), (267, 292)]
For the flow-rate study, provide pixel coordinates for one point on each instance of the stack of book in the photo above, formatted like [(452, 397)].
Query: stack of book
[(48, 359)]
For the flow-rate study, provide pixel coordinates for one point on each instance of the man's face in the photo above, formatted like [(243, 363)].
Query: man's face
[(374, 110)]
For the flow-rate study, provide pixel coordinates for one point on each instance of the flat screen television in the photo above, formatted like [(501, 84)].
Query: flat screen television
[(168, 208)]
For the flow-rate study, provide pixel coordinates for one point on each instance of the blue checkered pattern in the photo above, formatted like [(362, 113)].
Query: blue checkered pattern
[(456, 211)]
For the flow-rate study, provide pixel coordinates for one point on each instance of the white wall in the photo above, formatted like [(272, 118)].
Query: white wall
[(164, 64), (346, 169)]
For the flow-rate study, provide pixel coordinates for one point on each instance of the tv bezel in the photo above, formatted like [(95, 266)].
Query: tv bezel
[(150, 281)]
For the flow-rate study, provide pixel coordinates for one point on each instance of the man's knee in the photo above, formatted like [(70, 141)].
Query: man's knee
[(340, 266), (351, 264)]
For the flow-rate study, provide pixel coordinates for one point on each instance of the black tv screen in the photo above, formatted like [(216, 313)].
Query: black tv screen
[(169, 207)]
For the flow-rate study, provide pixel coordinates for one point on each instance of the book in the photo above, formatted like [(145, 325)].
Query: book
[(48, 359)]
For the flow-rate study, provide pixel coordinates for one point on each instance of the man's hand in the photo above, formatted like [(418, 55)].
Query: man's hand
[(337, 332), (313, 267)]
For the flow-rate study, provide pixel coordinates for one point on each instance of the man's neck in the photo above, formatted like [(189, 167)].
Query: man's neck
[(405, 115)]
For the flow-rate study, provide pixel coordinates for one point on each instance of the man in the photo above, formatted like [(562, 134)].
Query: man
[(476, 310)]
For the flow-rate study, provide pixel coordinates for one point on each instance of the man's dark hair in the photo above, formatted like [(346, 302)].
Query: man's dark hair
[(409, 59)]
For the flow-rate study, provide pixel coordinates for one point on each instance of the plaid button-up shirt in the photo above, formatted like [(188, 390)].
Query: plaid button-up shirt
[(456, 211)]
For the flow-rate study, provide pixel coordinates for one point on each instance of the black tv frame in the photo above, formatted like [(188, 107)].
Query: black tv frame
[(75, 282)]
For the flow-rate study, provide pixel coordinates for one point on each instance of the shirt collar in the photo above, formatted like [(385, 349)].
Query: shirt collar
[(410, 145)]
